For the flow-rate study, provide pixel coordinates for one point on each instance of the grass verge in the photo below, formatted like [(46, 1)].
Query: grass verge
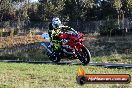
[(14, 75), (114, 58)]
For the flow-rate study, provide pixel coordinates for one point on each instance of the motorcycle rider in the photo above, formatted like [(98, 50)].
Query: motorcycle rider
[(55, 28), (56, 25)]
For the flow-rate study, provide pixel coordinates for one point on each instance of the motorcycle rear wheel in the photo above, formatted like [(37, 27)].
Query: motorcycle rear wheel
[(54, 57), (85, 56)]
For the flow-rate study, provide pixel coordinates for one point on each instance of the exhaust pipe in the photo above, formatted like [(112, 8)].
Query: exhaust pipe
[(46, 48)]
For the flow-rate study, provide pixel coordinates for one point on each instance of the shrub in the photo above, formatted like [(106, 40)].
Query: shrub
[(110, 28)]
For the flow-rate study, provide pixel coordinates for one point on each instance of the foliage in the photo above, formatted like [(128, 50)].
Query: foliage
[(33, 12), (77, 9), (117, 4), (6, 10), (49, 9), (110, 27), (82, 10), (68, 10)]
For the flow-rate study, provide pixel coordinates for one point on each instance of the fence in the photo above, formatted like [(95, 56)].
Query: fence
[(91, 26)]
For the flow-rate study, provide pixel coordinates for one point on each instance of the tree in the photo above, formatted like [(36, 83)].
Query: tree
[(18, 0), (77, 9), (117, 5), (33, 12), (6, 10), (9, 9), (47, 10), (130, 8)]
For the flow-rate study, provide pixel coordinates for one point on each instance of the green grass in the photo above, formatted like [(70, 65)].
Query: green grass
[(19, 75), (114, 58)]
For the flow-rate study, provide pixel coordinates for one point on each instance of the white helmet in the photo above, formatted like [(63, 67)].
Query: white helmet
[(56, 22)]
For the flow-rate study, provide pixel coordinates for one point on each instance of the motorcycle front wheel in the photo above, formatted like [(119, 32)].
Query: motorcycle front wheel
[(84, 56)]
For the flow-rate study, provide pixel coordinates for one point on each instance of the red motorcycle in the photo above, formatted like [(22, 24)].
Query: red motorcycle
[(72, 47)]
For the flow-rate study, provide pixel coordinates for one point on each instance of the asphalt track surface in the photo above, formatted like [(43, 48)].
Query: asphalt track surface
[(106, 65)]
